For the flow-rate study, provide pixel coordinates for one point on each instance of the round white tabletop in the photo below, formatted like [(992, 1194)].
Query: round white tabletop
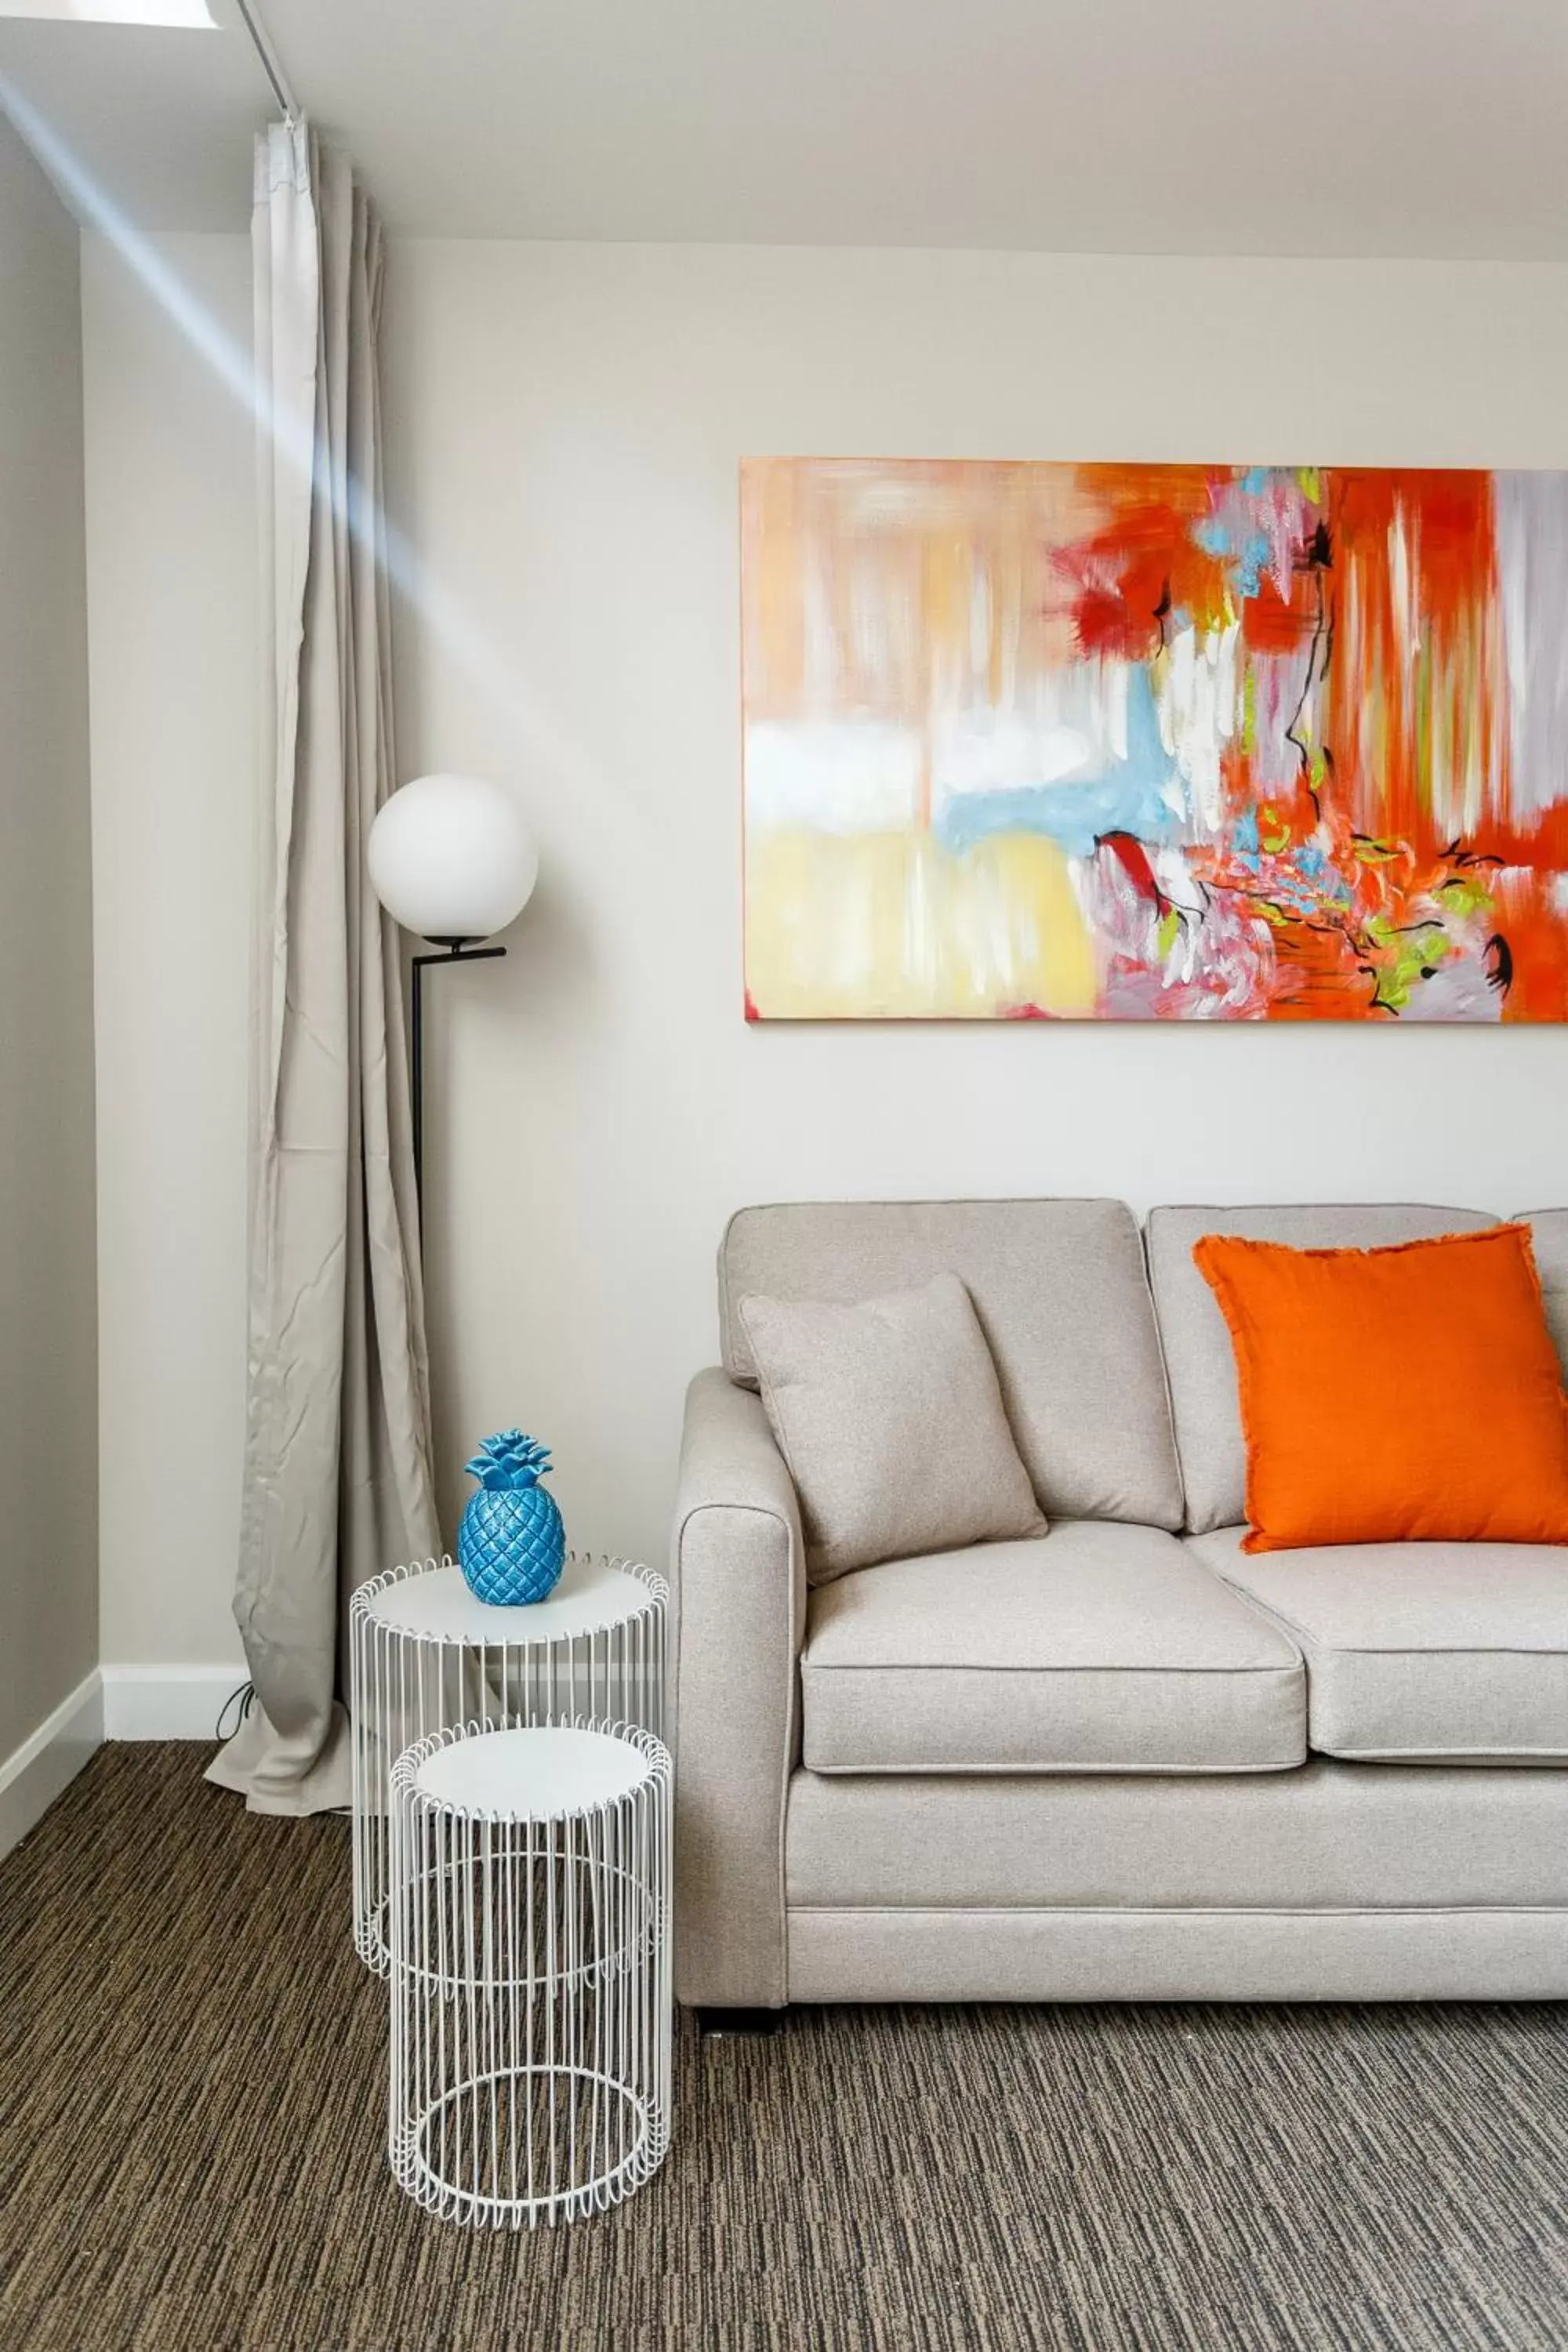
[(540, 1774), (438, 1606)]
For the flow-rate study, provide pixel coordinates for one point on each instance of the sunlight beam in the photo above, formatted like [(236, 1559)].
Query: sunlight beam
[(294, 437)]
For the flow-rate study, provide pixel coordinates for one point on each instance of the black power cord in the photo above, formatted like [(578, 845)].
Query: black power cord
[(245, 1694)]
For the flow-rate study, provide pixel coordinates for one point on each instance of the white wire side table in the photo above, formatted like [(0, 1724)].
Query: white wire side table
[(531, 2024), (425, 1654)]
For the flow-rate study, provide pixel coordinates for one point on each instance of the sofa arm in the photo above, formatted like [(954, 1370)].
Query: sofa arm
[(739, 1577)]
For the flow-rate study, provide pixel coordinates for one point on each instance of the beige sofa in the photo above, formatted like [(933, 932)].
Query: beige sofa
[(1126, 1761)]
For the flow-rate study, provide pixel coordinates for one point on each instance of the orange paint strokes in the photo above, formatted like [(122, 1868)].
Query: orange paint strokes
[(773, 615), (1185, 491), (1120, 582), (1534, 929), (1319, 975), (1270, 625), (1416, 722)]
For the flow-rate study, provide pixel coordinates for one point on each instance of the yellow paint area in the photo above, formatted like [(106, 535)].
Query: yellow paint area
[(892, 925)]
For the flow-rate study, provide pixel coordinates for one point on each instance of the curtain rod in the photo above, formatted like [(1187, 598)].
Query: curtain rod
[(260, 41)]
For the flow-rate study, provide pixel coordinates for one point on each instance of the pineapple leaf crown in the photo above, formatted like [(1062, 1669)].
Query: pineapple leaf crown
[(509, 1460)]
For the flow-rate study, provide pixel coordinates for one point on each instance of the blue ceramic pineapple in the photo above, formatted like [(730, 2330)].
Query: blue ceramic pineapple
[(512, 1546)]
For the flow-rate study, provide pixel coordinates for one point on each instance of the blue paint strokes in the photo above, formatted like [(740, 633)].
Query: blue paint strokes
[(1254, 556), (1142, 795), (1245, 564), (1298, 878), (1072, 815)]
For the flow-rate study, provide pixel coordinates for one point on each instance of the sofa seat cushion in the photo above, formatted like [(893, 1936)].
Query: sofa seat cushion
[(1329, 1837), (1096, 1648), (1420, 1653)]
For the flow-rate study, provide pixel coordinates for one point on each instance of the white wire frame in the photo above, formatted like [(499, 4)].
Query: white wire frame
[(530, 2079), (459, 1659)]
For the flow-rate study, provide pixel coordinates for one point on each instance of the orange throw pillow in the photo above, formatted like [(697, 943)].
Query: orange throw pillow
[(1391, 1394)]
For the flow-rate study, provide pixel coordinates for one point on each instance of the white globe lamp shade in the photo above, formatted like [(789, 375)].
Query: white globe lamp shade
[(451, 858)]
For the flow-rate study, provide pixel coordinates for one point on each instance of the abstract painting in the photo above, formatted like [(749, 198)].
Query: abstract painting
[(1142, 741)]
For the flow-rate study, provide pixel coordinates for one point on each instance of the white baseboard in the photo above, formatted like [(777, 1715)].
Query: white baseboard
[(50, 1760), (111, 1703), (166, 1702)]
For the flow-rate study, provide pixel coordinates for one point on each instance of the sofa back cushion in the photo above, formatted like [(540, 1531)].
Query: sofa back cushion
[(1199, 1359), (1062, 1296), (1549, 1240)]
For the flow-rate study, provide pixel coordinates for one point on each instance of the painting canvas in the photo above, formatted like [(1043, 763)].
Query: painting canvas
[(1137, 742)]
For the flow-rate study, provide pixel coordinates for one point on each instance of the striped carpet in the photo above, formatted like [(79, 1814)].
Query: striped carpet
[(191, 2086)]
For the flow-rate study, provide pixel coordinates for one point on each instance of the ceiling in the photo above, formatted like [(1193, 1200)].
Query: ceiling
[(1339, 127)]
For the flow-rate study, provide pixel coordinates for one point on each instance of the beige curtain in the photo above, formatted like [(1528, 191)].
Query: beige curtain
[(337, 1461)]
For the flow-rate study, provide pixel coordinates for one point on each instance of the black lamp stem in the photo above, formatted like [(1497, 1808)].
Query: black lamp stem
[(452, 952)]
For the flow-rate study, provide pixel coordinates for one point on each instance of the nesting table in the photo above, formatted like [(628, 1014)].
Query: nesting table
[(511, 1878), (425, 1656), (529, 1967)]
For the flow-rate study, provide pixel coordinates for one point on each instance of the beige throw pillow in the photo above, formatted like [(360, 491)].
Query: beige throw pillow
[(890, 1418)]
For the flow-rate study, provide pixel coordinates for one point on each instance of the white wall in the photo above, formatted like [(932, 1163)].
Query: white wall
[(172, 581), (563, 427), (49, 1462)]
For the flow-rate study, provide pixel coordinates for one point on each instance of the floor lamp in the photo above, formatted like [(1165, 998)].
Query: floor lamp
[(451, 859)]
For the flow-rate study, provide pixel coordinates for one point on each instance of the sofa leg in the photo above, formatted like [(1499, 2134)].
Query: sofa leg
[(712, 2024)]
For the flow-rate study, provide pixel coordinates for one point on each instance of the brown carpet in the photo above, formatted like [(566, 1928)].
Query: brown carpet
[(191, 2087)]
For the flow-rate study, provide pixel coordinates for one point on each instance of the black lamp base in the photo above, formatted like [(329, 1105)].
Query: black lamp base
[(454, 951)]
